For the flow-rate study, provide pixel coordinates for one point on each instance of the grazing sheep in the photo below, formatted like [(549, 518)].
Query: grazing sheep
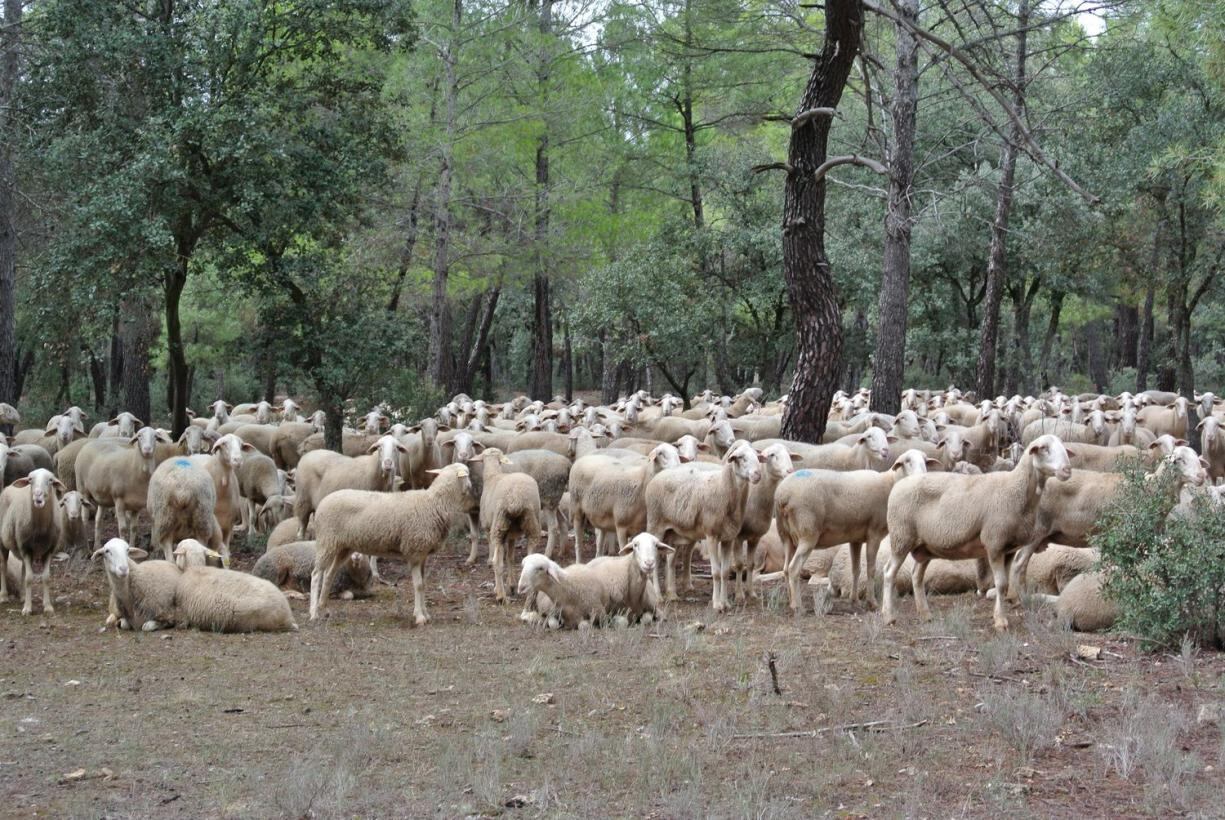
[(30, 528), (113, 472), (289, 566), (697, 501), (510, 509), (942, 515), (258, 480), (141, 595), (322, 472), (183, 501), (409, 525), (222, 600), (275, 510), (820, 509), (287, 440), (583, 594)]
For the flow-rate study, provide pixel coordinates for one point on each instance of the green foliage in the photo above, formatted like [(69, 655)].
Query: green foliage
[(1166, 572)]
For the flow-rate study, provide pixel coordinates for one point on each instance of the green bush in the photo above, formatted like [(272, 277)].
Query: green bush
[(1166, 573)]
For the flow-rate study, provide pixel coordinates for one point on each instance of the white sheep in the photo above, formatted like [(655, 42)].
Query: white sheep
[(113, 472), (608, 491), (258, 480), (322, 472), (183, 501), (698, 501), (409, 525), (1212, 445), (510, 509), (943, 515), (76, 514), (222, 465), (1170, 418), (222, 600), (759, 511), (289, 566), (30, 527), (1082, 606), (141, 595), (606, 587)]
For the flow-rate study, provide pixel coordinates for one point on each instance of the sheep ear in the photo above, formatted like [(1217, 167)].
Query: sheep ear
[(435, 472), (1203, 462), (941, 444), (444, 445), (704, 447), (662, 547), (21, 482), (891, 439), (373, 447), (400, 446), (96, 553), (1180, 442), (1071, 453), (137, 553), (162, 437), (1200, 426), (248, 447), (59, 485), (931, 462), (555, 571), (444, 427), (795, 459)]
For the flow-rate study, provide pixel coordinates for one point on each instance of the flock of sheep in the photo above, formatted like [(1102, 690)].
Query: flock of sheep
[(993, 497)]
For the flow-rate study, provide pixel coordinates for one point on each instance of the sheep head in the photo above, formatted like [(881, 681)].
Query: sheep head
[(537, 572), (744, 461), (913, 462), (115, 554), (42, 483), (1050, 458)]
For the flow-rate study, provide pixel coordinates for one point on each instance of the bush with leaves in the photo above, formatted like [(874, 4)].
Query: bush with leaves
[(1166, 572)]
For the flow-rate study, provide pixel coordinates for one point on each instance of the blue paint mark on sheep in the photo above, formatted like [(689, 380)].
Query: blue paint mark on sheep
[(182, 462), (803, 473)]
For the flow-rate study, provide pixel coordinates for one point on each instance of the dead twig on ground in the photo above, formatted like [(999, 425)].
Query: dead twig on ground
[(870, 726)]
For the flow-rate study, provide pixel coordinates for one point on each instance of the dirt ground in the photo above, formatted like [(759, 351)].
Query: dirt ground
[(364, 715)]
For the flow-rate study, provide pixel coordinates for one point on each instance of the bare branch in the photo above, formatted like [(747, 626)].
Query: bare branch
[(848, 159), (804, 117), (772, 166)]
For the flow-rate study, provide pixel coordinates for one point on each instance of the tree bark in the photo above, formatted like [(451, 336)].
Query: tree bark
[(177, 375), (1144, 346), (889, 361), (567, 359), (540, 383), (10, 75), (114, 376), (1020, 377), (440, 325), (806, 267), (479, 348), (997, 259), (137, 330), (1098, 371), (1052, 330), (1126, 319)]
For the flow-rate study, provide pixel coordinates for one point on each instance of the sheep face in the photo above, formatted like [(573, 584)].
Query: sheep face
[(1180, 406), (723, 434), (537, 569), (230, 448), (906, 425), (1165, 444), (388, 449), (263, 412), (688, 447), (1097, 423), (913, 462), (63, 427), (221, 410), (319, 420), (779, 463), (145, 441), (191, 553), (1192, 468), (954, 444), (374, 421), (664, 457), (1050, 457), (876, 443), (745, 461), (75, 507), (1210, 428), (194, 440), (42, 484), (289, 408), (115, 554)]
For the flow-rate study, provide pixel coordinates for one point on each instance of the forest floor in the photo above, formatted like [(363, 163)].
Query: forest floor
[(480, 714)]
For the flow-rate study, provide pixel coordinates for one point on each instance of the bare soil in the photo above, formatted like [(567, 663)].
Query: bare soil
[(480, 714)]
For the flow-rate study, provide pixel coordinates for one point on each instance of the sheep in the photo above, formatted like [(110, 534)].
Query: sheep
[(1169, 418), (112, 472), (14, 465), (195, 440), (1103, 459), (411, 525), (124, 425), (1069, 432), (31, 527), (941, 515), (274, 510), (37, 456), (819, 509), (8, 414), (351, 444), (759, 510), (424, 453), (286, 441), (222, 465), (1068, 510), (697, 501), (65, 460), (510, 508), (322, 472), (582, 594), (1128, 433), (1082, 606), (1051, 570), (141, 595), (222, 600), (259, 436), (559, 443), (607, 490), (289, 566), (290, 410), (286, 532), (76, 511), (258, 480), (183, 500), (1212, 445)]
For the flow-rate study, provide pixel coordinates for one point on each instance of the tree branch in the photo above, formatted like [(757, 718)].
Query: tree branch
[(849, 159)]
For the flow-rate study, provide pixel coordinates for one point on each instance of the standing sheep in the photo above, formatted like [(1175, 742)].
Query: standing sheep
[(30, 527), (183, 501), (223, 465), (113, 472), (409, 525), (322, 472), (510, 508), (944, 515), (76, 512)]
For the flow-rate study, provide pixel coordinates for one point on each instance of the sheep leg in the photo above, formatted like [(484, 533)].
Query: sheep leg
[(27, 585), (550, 517), (4, 584), (919, 582), (1020, 568), (751, 570), (421, 617), (623, 537), (870, 569), (497, 549), (474, 537), (321, 581), (48, 606), (670, 577), (599, 542), (98, 528), (896, 558), (689, 548), (854, 547), (576, 523), (999, 569), (714, 549), (792, 572)]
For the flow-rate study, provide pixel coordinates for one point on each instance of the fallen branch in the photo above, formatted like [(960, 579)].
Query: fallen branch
[(871, 726), (848, 159), (994, 677), (770, 659)]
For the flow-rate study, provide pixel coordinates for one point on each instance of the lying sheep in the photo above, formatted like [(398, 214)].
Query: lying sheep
[(1082, 606), (942, 515), (30, 528), (222, 600), (141, 595), (183, 501), (698, 501), (411, 525), (289, 566), (510, 509), (820, 509), (583, 594)]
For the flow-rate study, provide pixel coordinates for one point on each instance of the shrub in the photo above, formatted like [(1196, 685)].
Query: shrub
[(1166, 573)]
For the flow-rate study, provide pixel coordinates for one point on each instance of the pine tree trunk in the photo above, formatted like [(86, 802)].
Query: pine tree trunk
[(1052, 330), (136, 329), (540, 383), (806, 268), (1144, 345), (439, 364), (997, 258), (114, 375), (177, 375), (10, 75), (889, 362)]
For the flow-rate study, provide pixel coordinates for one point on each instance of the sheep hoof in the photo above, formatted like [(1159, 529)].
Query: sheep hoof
[(584, 624), (150, 626), (1001, 626), (553, 623), (470, 560), (647, 618), (422, 620), (26, 610), (48, 609), (621, 622)]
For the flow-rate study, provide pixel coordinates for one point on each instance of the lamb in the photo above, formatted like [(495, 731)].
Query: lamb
[(609, 491), (704, 501), (289, 567), (76, 511), (942, 515), (510, 508), (141, 595), (183, 500), (1172, 418), (583, 594), (222, 600), (112, 472), (258, 480), (411, 525), (322, 472), (31, 527), (819, 509)]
